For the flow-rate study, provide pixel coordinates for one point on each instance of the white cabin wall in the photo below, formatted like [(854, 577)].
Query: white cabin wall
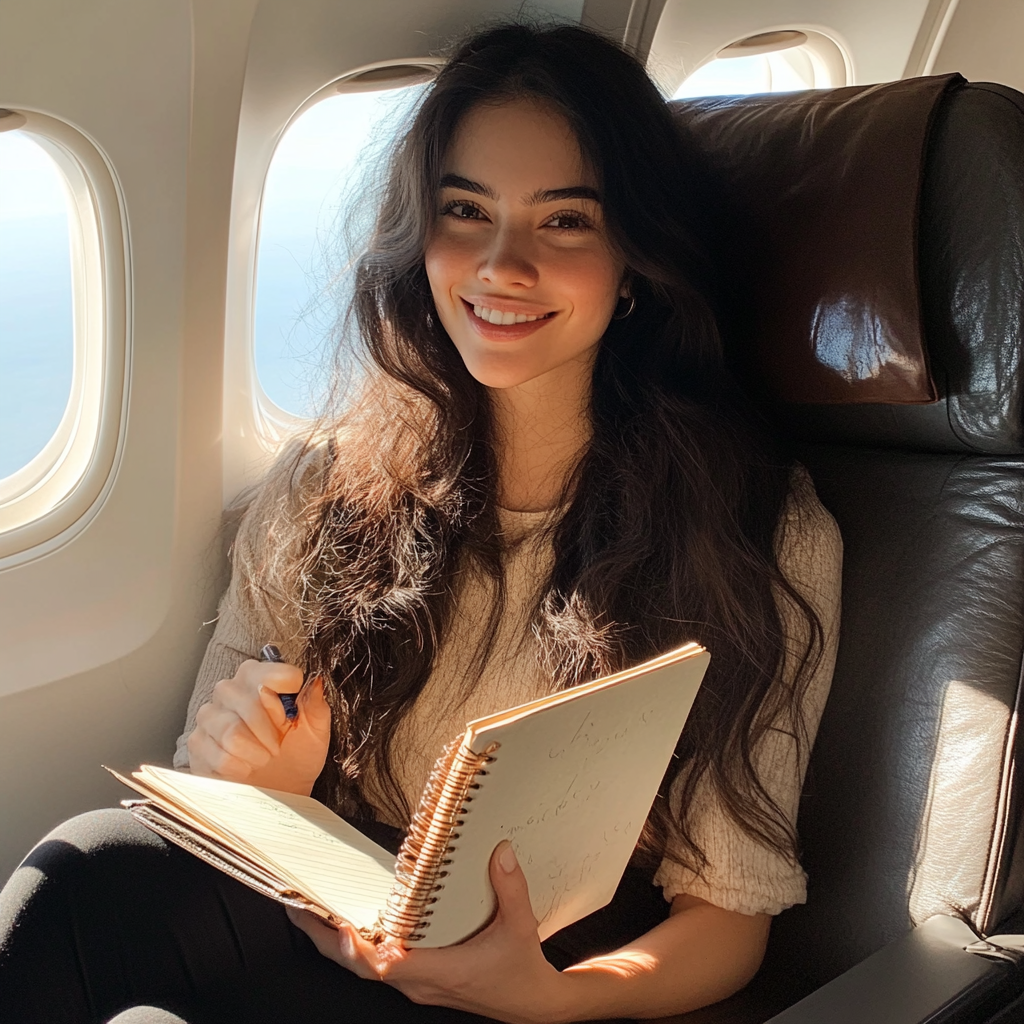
[(985, 42), (94, 630)]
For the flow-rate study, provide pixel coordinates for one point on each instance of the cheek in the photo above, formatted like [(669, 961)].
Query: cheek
[(445, 264), (593, 283)]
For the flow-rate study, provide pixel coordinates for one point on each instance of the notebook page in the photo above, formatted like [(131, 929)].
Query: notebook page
[(152, 791), (571, 786), (326, 859)]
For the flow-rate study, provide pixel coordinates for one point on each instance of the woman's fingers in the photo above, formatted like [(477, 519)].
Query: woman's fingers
[(359, 955), (249, 708), (232, 734), (344, 946), (501, 972), (243, 734), (277, 676), (314, 711), (512, 890), (207, 757), (252, 695)]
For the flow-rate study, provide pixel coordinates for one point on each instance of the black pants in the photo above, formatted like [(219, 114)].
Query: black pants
[(104, 920)]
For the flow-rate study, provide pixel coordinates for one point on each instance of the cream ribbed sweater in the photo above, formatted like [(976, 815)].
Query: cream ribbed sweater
[(741, 874)]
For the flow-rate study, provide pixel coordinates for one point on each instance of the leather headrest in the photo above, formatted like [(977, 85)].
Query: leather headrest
[(871, 220)]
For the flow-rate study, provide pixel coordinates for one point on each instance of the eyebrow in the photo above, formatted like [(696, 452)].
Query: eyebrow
[(548, 195)]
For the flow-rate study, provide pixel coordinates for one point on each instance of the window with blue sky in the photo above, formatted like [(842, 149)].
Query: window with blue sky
[(36, 313), (314, 193)]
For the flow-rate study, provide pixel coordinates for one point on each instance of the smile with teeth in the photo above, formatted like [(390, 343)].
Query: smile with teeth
[(496, 316)]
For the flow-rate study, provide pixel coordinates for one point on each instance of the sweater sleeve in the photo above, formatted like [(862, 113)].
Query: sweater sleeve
[(260, 605), (741, 874)]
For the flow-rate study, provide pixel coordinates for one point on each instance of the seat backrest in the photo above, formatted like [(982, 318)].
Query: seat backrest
[(863, 216)]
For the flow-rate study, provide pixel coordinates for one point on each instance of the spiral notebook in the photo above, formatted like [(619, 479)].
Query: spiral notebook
[(569, 779)]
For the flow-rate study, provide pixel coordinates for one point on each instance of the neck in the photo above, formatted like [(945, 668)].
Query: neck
[(542, 428)]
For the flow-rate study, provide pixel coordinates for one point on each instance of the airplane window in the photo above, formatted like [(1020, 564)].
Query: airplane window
[(788, 70), (318, 171), (36, 310), (63, 328)]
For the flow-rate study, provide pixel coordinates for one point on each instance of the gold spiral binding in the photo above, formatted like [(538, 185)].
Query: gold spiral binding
[(424, 852)]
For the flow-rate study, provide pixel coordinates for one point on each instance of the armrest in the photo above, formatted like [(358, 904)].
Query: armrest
[(927, 975)]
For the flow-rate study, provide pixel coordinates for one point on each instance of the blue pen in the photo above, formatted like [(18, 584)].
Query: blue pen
[(269, 652)]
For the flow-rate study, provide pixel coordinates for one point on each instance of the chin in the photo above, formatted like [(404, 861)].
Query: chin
[(501, 375), (502, 381)]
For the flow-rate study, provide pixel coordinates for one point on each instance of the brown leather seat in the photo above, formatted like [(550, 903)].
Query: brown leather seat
[(877, 261)]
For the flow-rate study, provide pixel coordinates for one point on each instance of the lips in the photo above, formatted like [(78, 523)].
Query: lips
[(504, 324)]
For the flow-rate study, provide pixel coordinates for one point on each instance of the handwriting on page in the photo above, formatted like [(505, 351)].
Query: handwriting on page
[(565, 875), (567, 866), (591, 738)]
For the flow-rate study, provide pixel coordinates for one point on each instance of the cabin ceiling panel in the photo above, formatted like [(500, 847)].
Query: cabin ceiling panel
[(878, 35)]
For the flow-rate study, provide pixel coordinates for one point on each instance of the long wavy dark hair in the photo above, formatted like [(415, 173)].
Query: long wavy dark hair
[(670, 517)]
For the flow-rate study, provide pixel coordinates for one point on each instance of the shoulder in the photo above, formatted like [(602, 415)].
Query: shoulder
[(803, 513), (809, 554), (808, 544)]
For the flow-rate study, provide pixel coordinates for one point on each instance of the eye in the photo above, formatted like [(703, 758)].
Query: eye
[(570, 221), (462, 209)]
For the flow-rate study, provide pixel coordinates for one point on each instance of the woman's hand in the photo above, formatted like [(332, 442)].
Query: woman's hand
[(700, 955), (242, 734), (500, 973)]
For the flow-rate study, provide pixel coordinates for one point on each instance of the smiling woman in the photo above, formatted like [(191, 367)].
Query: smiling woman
[(525, 280), (529, 490)]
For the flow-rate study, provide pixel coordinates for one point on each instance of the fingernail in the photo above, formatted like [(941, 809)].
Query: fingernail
[(348, 948), (507, 859)]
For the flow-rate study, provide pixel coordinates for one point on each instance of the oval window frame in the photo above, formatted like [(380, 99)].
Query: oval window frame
[(822, 46), (57, 489), (273, 423)]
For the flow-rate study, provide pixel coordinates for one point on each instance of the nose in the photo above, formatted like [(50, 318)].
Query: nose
[(508, 261)]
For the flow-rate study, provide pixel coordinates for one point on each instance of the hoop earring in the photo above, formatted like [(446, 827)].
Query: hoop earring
[(632, 306)]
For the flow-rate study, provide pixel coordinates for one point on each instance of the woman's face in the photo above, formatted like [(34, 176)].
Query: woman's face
[(520, 268)]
